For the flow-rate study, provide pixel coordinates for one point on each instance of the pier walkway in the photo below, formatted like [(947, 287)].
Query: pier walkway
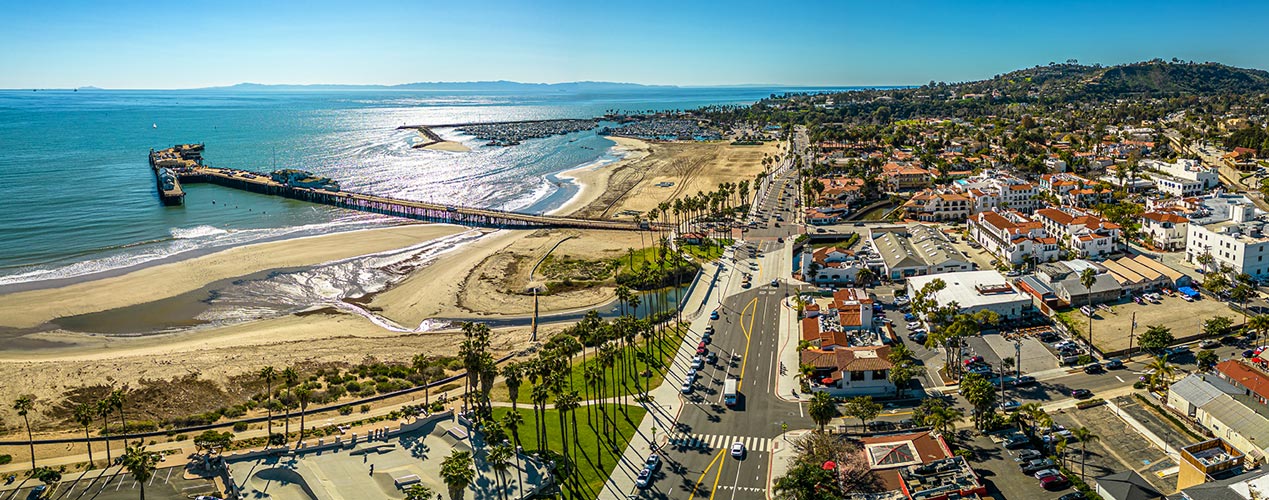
[(418, 210)]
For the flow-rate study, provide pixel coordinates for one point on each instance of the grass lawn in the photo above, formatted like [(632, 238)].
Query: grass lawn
[(706, 253), (594, 460), (616, 385)]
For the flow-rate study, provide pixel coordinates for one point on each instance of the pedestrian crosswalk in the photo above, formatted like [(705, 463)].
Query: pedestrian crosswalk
[(716, 441)]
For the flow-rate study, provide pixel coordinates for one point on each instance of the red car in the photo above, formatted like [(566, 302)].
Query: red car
[(1053, 483)]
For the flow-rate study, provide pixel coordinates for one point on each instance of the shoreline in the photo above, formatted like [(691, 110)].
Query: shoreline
[(593, 179)]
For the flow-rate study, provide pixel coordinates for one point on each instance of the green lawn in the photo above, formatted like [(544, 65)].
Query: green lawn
[(616, 385), (594, 460), (706, 253)]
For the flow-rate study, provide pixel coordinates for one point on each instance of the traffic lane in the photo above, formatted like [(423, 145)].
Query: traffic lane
[(1059, 389), (742, 478)]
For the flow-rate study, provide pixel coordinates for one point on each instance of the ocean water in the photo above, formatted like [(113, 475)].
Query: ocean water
[(78, 197)]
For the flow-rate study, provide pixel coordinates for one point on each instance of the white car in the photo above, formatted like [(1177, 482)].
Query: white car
[(686, 388), (1047, 473), (738, 449)]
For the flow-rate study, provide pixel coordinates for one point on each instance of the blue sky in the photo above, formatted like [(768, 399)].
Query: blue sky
[(121, 44)]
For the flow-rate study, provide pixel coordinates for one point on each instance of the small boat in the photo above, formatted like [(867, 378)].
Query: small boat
[(154, 125)]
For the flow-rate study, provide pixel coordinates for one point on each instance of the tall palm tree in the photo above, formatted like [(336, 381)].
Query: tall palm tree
[(84, 416), (140, 464), (499, 458), (116, 399), (512, 420), (1088, 278), (420, 363), (269, 375), (289, 377), (513, 375), (457, 473), (23, 405), (304, 395), (1259, 324), (104, 410), (1085, 436)]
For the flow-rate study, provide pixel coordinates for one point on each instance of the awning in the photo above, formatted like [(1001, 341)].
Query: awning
[(826, 381), (1187, 291)]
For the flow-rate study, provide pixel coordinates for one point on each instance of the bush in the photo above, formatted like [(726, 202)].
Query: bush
[(240, 426), (1083, 405), (345, 410), (353, 387), (179, 437), (4, 459), (234, 411), (365, 408)]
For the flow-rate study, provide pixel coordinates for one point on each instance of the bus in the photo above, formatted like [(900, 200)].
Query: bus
[(729, 391)]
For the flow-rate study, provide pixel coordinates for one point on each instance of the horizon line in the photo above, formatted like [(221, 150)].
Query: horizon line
[(404, 86)]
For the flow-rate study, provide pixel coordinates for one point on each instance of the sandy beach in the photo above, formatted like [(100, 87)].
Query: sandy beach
[(593, 180), (36, 307), (451, 146)]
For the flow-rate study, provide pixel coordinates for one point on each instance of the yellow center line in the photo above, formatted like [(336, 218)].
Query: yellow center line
[(747, 330), (713, 490), (697, 486)]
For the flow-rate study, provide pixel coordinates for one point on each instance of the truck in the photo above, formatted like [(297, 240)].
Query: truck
[(729, 391)]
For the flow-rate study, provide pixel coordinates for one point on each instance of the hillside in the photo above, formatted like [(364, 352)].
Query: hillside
[(1152, 78)]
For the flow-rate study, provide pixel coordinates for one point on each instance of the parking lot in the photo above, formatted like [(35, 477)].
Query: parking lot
[(1118, 448), (166, 484), (1111, 328)]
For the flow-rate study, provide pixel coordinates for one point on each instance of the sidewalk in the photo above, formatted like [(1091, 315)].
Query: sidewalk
[(665, 402), (782, 453), (790, 359)]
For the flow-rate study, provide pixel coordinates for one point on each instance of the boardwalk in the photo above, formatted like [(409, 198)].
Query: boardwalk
[(418, 210)]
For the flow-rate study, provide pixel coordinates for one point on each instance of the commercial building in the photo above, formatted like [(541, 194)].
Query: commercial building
[(1251, 486), (1126, 485), (933, 205), (850, 371), (916, 250), (1241, 242), (1212, 459), (1064, 279), (1195, 390), (1177, 186), (943, 479), (1186, 169), (1013, 237), (1239, 425), (1142, 274), (975, 291)]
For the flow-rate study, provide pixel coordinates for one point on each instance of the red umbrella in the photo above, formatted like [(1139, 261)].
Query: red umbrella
[(826, 381), (830, 465), (1257, 360)]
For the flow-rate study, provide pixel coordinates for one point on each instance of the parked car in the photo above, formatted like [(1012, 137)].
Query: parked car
[(653, 462), (1094, 368), (1046, 473), (713, 315), (1209, 344), (1026, 455), (698, 362), (1072, 496), (1010, 405), (918, 337), (1081, 393), (1054, 483), (711, 358), (1015, 442), (1034, 466), (686, 388), (1024, 380), (1229, 339)]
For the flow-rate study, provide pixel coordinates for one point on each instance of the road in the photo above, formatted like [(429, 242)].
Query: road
[(746, 342)]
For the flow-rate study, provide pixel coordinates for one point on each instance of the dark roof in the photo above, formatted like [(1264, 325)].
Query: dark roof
[(1219, 489), (1127, 485)]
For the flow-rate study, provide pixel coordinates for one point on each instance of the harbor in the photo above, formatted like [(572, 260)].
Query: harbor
[(183, 164)]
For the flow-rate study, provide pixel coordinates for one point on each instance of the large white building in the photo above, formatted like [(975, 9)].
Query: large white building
[(1186, 169), (1165, 230), (1177, 186), (1241, 242), (975, 291), (1013, 237), (992, 190)]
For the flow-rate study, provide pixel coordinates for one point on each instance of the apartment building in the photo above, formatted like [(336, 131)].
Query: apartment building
[(1013, 237), (1086, 235)]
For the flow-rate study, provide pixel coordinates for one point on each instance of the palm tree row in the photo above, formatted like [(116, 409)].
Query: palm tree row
[(84, 414)]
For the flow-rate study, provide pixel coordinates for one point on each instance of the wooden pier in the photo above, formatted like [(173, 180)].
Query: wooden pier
[(409, 209)]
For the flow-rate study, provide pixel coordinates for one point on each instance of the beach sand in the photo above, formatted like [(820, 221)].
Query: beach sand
[(593, 181), (33, 308), (457, 147)]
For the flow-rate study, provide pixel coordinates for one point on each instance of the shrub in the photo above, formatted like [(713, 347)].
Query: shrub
[(353, 386), (4, 459), (1083, 405), (234, 412), (345, 410), (179, 437), (240, 426), (365, 408)]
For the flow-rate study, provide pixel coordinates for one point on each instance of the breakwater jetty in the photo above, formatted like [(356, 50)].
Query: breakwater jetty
[(509, 133), (304, 186)]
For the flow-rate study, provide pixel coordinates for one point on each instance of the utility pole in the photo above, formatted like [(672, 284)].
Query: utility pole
[(1131, 329)]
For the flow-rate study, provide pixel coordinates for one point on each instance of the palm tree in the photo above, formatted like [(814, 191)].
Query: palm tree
[(823, 409), (23, 405), (512, 374), (1161, 371), (865, 276), (116, 399), (84, 416), (419, 492), (1259, 324), (1088, 278), (512, 420), (289, 376), (457, 473), (499, 458), (1085, 436), (420, 363), (104, 410), (303, 395), (943, 420), (140, 464), (269, 375)]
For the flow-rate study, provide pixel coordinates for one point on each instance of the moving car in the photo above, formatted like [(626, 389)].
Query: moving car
[(1114, 363), (738, 449), (1209, 344), (1024, 380), (1094, 368), (644, 479)]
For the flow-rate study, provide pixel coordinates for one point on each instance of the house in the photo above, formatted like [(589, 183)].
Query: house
[(1195, 390), (850, 371), (1013, 237), (1127, 485), (1165, 230), (1086, 235), (975, 291), (1177, 186), (845, 190), (1253, 382), (904, 176), (819, 218), (916, 250), (933, 205)]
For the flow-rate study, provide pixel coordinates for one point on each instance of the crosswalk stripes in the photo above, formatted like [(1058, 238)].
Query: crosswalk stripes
[(716, 441)]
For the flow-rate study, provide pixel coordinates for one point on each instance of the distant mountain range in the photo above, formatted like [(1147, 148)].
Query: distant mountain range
[(483, 85)]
